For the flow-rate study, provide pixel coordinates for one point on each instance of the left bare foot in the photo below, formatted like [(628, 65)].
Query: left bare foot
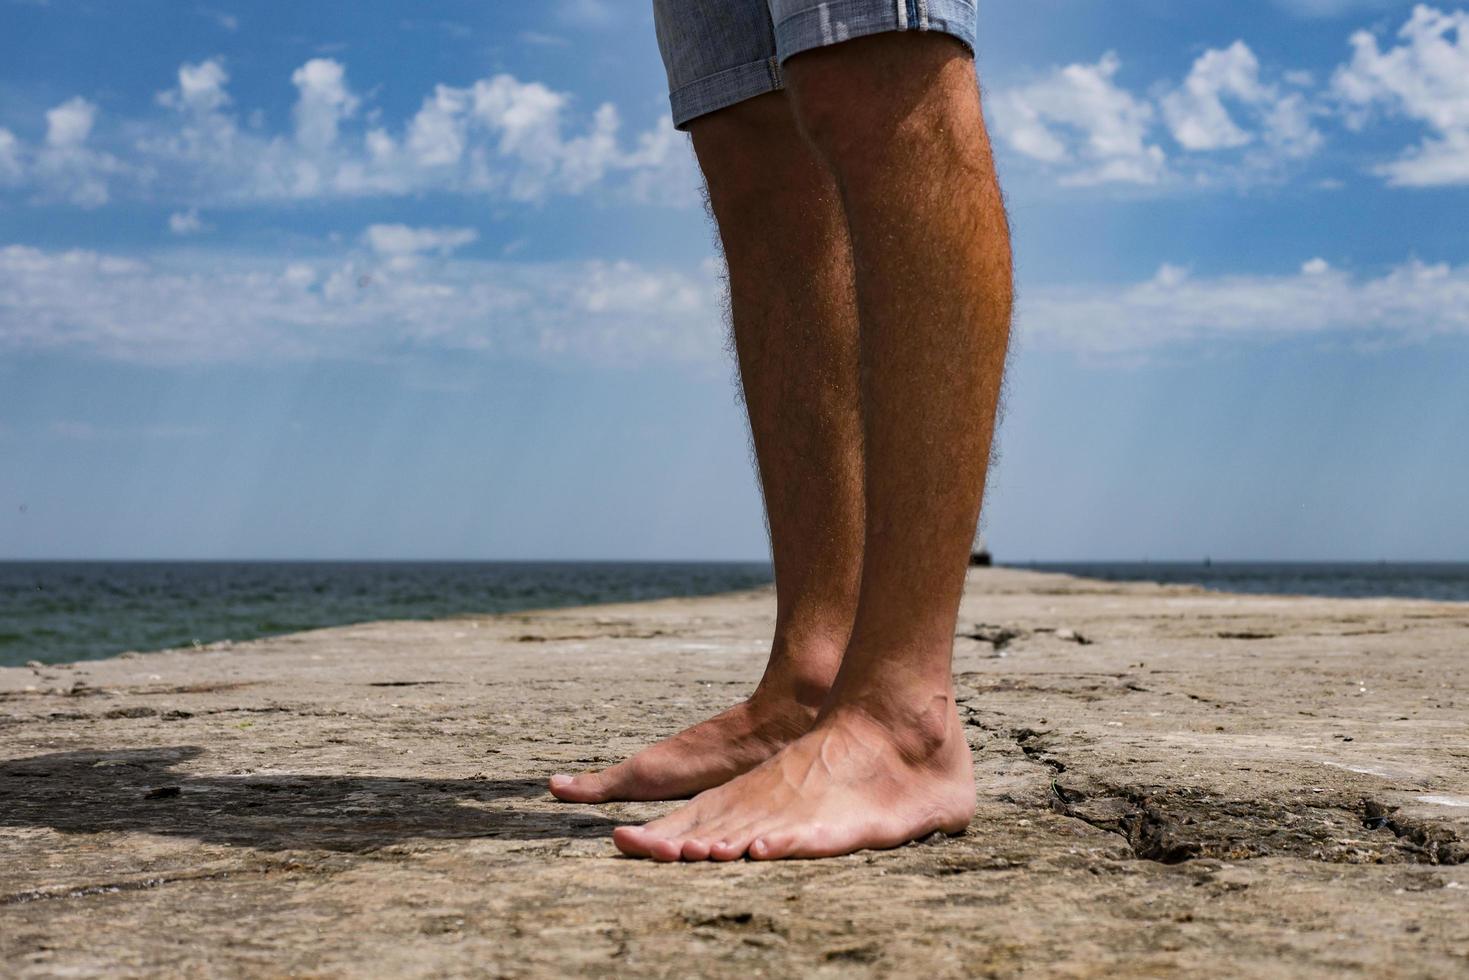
[(857, 780)]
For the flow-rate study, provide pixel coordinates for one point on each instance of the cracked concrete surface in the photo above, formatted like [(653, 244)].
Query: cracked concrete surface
[(1171, 782)]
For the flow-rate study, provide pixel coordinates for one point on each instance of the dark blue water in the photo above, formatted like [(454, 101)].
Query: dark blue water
[(57, 612), (1442, 581)]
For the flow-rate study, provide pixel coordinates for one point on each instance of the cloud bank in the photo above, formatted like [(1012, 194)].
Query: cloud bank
[(1232, 120), (498, 137), (402, 291), (1424, 78), (1229, 120), (1411, 303)]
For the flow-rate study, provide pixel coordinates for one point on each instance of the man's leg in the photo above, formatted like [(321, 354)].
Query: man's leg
[(795, 326), (897, 117)]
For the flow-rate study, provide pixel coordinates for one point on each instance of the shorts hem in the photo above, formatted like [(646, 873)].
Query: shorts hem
[(722, 89), (843, 20)]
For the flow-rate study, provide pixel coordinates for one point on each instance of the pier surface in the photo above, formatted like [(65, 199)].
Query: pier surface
[(1171, 783)]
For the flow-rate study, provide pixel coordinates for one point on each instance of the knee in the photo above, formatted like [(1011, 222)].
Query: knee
[(886, 93)]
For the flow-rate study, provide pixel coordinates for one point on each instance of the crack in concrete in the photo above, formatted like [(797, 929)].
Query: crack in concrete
[(1151, 836), (134, 885), (1171, 825), (998, 637), (1438, 845)]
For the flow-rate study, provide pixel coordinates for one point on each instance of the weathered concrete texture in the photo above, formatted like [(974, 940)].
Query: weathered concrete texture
[(1171, 783)]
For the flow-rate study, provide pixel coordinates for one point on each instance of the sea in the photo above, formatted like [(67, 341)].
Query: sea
[(58, 612), (1440, 581)]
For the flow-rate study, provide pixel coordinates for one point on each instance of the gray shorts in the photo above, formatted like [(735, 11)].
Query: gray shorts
[(719, 52)]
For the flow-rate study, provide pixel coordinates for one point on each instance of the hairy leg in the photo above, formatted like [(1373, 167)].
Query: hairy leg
[(898, 119), (795, 327)]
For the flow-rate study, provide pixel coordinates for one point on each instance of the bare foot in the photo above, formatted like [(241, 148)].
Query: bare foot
[(852, 782), (707, 754)]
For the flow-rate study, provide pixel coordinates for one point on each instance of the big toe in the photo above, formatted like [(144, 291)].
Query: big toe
[(589, 787), (634, 841), (643, 843)]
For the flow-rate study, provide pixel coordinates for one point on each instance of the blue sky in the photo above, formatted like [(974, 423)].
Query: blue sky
[(330, 280)]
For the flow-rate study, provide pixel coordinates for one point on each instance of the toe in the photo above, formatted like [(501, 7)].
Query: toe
[(589, 787), (728, 838), (634, 841), (695, 850), (663, 839), (666, 850), (722, 850), (772, 846), (731, 848), (646, 842)]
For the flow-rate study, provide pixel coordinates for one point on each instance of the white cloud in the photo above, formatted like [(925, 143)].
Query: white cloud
[(1079, 118), (437, 135), (1090, 130), (1288, 127), (400, 240), (64, 167), (498, 137), (661, 170), (193, 306), (323, 102), (11, 168), (401, 246), (186, 222), (69, 124), (200, 88), (1196, 111), (1424, 78), (1235, 123), (1200, 121), (1410, 303), (507, 138), (1229, 121), (190, 307)]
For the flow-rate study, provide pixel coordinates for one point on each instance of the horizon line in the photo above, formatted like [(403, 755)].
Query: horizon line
[(1206, 561)]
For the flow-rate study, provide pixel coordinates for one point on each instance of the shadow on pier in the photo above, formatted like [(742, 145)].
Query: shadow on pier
[(142, 790)]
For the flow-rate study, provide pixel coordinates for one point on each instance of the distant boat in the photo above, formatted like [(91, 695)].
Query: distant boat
[(979, 553)]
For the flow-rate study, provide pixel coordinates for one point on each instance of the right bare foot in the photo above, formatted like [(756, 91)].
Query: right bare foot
[(708, 754), (855, 781)]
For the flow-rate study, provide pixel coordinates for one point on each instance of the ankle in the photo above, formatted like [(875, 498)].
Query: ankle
[(923, 725), (800, 673), (792, 689)]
